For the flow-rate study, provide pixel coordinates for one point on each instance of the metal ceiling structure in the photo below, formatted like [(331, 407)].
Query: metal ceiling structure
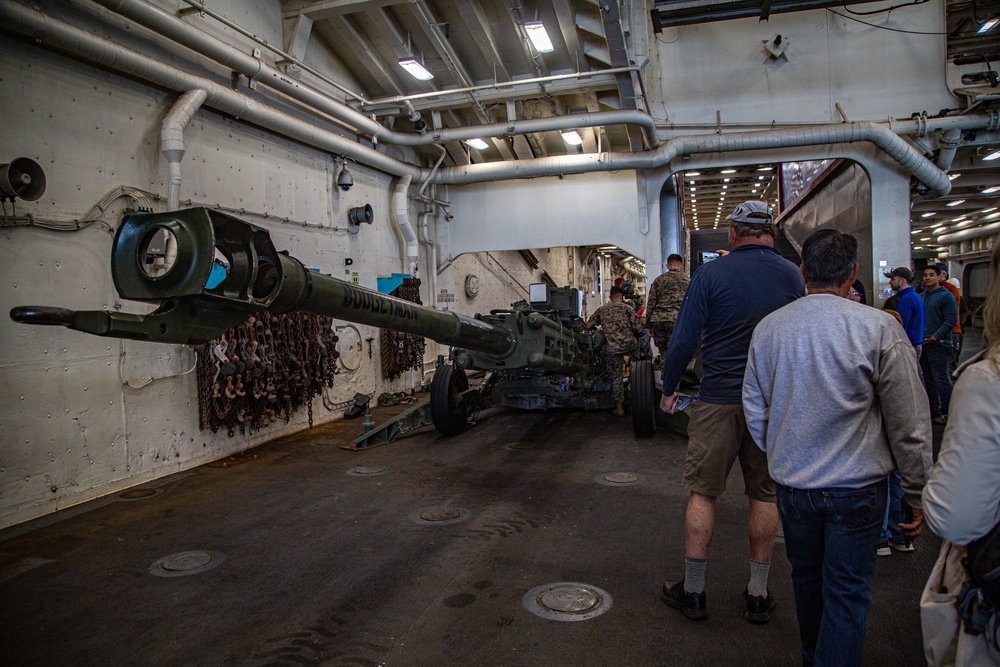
[(487, 72)]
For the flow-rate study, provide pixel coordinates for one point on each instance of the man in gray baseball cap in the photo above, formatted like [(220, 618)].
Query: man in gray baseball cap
[(724, 302)]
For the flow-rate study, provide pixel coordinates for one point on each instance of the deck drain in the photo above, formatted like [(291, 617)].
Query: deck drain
[(439, 516), (368, 471), (516, 446), (567, 601), (619, 478), (139, 494), (185, 563)]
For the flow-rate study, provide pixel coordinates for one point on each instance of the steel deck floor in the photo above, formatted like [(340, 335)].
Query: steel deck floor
[(322, 567)]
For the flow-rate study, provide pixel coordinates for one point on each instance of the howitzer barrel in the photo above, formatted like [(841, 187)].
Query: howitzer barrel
[(169, 258)]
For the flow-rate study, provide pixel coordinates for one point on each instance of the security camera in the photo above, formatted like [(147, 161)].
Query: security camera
[(345, 180)]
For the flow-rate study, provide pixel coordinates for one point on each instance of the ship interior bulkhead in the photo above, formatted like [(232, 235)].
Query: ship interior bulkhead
[(293, 366)]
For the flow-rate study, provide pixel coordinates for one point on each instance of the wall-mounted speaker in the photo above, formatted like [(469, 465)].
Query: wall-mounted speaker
[(360, 214), (21, 177)]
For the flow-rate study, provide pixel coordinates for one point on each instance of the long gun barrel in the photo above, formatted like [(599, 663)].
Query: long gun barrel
[(168, 258)]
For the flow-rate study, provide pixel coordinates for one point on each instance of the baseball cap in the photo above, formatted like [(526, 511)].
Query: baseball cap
[(902, 272), (941, 267), (752, 212)]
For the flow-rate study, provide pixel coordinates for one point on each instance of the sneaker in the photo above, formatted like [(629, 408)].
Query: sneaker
[(693, 605), (905, 547), (883, 550), (759, 607)]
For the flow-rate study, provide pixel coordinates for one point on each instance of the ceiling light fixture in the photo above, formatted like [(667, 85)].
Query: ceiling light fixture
[(952, 177), (539, 38), (989, 210), (928, 215), (572, 137), (989, 191), (986, 27), (694, 173), (728, 171), (956, 202), (765, 169), (992, 156), (915, 231), (416, 70), (478, 144)]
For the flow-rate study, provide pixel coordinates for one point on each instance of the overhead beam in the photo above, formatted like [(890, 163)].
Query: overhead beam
[(615, 36), (331, 9)]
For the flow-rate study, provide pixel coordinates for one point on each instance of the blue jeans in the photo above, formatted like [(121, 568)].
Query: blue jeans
[(893, 512), (831, 536), (937, 381)]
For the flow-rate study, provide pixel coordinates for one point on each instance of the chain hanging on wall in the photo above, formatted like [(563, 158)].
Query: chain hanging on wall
[(400, 351), (264, 369)]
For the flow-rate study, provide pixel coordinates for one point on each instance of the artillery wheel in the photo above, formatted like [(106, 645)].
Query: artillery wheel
[(448, 411), (642, 398)]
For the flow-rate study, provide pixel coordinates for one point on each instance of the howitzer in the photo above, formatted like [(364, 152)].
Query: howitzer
[(537, 354)]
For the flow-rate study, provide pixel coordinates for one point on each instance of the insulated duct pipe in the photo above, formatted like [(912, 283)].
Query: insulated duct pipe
[(64, 37), (969, 234), (908, 157), (174, 28), (401, 218), (172, 140)]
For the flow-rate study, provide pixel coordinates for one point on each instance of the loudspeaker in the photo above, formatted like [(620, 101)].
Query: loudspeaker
[(22, 177), (361, 214)]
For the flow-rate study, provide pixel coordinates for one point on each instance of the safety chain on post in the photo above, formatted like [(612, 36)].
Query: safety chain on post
[(265, 368), (400, 351)]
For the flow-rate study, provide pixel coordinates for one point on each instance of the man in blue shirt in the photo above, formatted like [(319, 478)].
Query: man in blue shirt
[(910, 306), (723, 304), (941, 314)]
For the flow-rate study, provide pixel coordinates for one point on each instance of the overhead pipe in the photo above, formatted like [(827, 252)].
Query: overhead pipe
[(172, 140), (936, 181), (401, 218), (191, 37), (950, 141), (62, 36), (67, 38), (968, 234)]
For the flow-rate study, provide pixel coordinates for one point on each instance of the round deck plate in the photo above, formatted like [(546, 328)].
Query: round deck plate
[(567, 601)]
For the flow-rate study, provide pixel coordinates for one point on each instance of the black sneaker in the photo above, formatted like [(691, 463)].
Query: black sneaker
[(759, 607), (693, 605)]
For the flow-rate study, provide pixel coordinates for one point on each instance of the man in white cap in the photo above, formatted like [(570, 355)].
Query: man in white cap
[(724, 302)]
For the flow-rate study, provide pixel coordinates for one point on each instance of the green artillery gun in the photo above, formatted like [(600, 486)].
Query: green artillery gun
[(537, 355)]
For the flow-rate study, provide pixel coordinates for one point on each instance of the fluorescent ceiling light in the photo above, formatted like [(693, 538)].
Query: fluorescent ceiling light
[(952, 177), (989, 191), (725, 180), (992, 156), (915, 231), (728, 171), (765, 169), (958, 219), (928, 215), (572, 137), (991, 216), (988, 210), (956, 202), (539, 38), (925, 238), (478, 144), (416, 70), (986, 27)]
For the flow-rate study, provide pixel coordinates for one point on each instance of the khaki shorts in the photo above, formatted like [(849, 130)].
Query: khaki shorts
[(717, 436)]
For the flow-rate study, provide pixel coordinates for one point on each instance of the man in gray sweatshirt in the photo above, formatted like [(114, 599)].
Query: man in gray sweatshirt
[(833, 396)]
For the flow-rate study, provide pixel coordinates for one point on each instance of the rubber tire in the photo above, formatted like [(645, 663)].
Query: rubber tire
[(450, 417), (642, 397)]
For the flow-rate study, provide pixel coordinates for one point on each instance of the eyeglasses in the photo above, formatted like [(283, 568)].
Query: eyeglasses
[(854, 294)]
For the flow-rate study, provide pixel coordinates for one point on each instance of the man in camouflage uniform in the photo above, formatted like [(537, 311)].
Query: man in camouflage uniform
[(664, 302), (622, 330)]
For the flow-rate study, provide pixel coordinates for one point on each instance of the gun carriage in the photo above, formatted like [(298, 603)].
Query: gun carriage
[(536, 355)]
